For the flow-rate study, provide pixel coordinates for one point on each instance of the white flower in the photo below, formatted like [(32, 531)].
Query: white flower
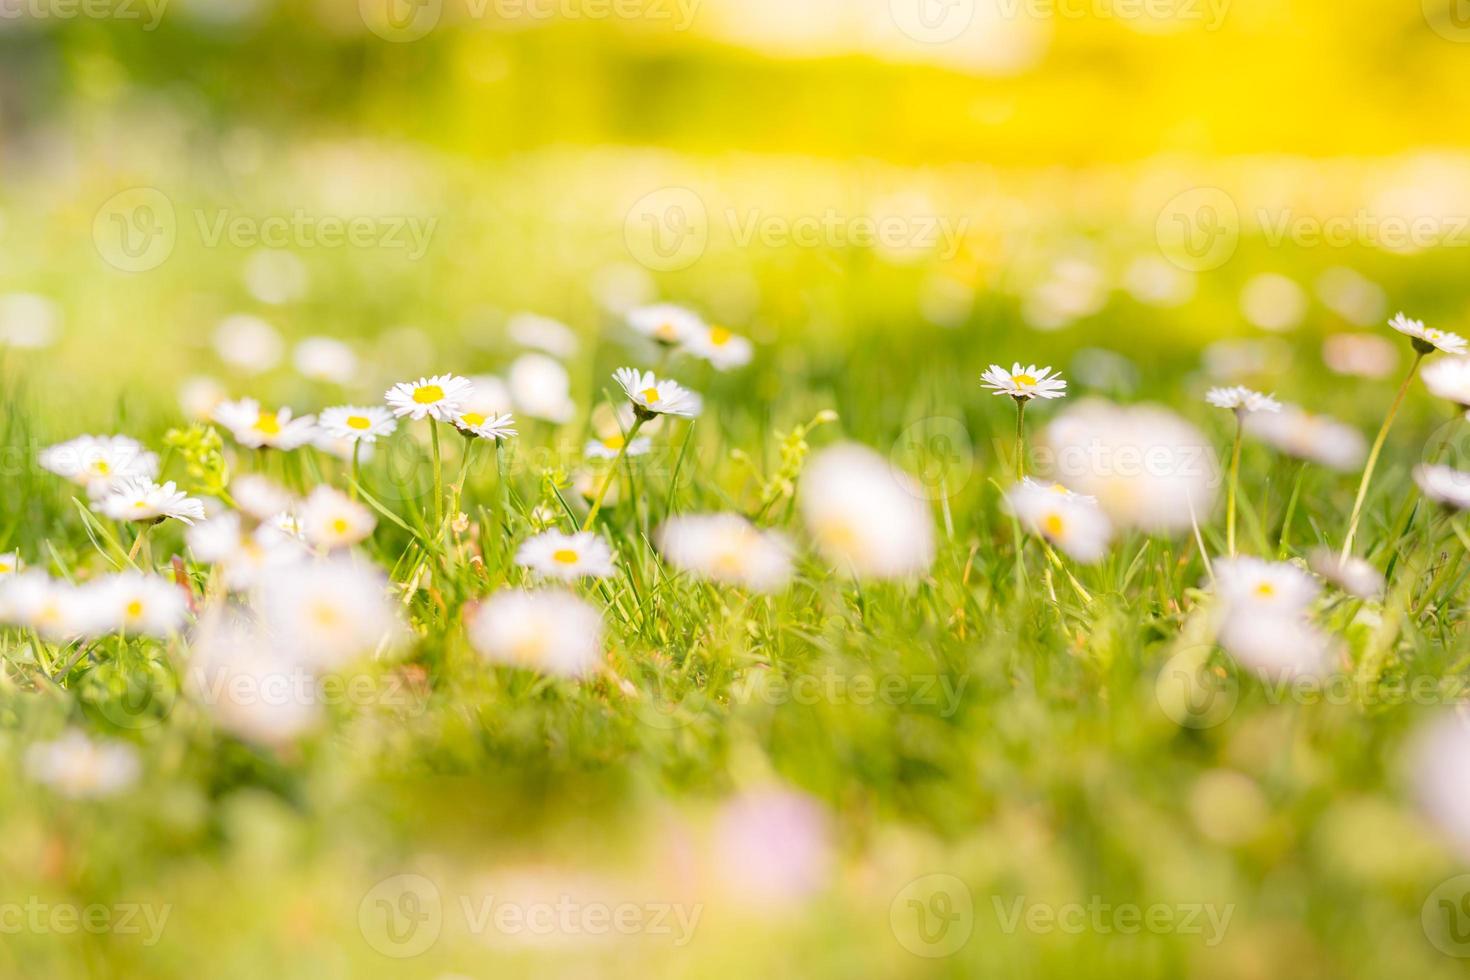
[(251, 686), (260, 496), (567, 556), (28, 321), (330, 519), (1354, 576), (287, 523), (1253, 587), (10, 563), (52, 608), (1277, 648), (1363, 355), (1439, 764), (248, 343), (328, 613), (79, 767), (1273, 302), (1449, 378), (1056, 488), (441, 397), (494, 427), (245, 558), (100, 463), (1317, 438), (867, 518), (726, 548), (357, 423), (1239, 398), (1427, 339), (200, 395), (540, 388), (275, 276), (1074, 523), (1024, 383), (666, 323), (550, 631), (144, 500), (134, 603), (723, 349), (258, 428), (1147, 467), (609, 447), (491, 395), (1444, 485), (651, 396), (543, 333), (325, 359)]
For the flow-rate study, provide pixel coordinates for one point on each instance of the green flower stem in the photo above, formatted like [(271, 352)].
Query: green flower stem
[(438, 479), (1020, 439), (356, 468), (1347, 544), (1233, 487), (612, 473)]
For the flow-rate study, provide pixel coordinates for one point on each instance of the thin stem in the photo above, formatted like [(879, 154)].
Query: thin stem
[(1020, 439), (1231, 490), (438, 479), (356, 468), (1347, 544), (138, 541), (612, 473)]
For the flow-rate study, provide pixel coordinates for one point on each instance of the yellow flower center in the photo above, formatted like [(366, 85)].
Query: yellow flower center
[(325, 616), (134, 609), (613, 442), (565, 556), (268, 423), (529, 649), (340, 525), (472, 418), (666, 331), (359, 422), (139, 504), (6, 567), (1058, 489), (1024, 380), (1265, 590), (1053, 525), (102, 466), (719, 336), (650, 395), (428, 394)]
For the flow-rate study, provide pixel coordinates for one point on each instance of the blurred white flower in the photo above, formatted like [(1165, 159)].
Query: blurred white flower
[(490, 397), (275, 276), (200, 395), (608, 447), (1362, 355), (723, 349), (1427, 339), (1355, 298), (260, 496), (10, 563), (141, 499), (1444, 485), (245, 558), (1025, 383), (1228, 360), (330, 519), (441, 397), (1354, 576), (868, 519), (1276, 647), (1449, 378), (1252, 587), (772, 847), (1147, 467), (1239, 397), (726, 548), (666, 323), (248, 343), (1273, 302), (134, 603), (544, 334), (651, 396), (50, 607), (567, 556), (251, 686), (1072, 522), (325, 359), (258, 428), (1155, 281), (540, 388), (99, 463), (80, 767), (357, 423), (328, 613), (1317, 438), (550, 631), (28, 321), (1439, 765)]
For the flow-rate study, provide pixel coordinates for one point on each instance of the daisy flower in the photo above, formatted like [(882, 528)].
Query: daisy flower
[(440, 397), (608, 447), (260, 497), (550, 631), (325, 359), (1355, 576), (543, 333), (357, 423), (83, 768), (330, 519), (540, 388), (257, 428), (10, 563), (251, 686), (288, 523), (666, 323), (144, 500), (651, 396), (1439, 766), (1444, 485), (136, 604), (491, 396), (1240, 398), (52, 608), (1025, 383), (723, 349), (1315, 438), (1277, 648), (567, 556), (867, 518), (495, 427), (28, 321), (1074, 523), (1253, 587), (99, 463), (245, 558), (1428, 339), (726, 548), (328, 613), (1449, 378)]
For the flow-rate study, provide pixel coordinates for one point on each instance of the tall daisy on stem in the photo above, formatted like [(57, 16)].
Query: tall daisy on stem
[(357, 424), (1426, 340), (650, 398), (1023, 384), (1242, 401), (438, 399)]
